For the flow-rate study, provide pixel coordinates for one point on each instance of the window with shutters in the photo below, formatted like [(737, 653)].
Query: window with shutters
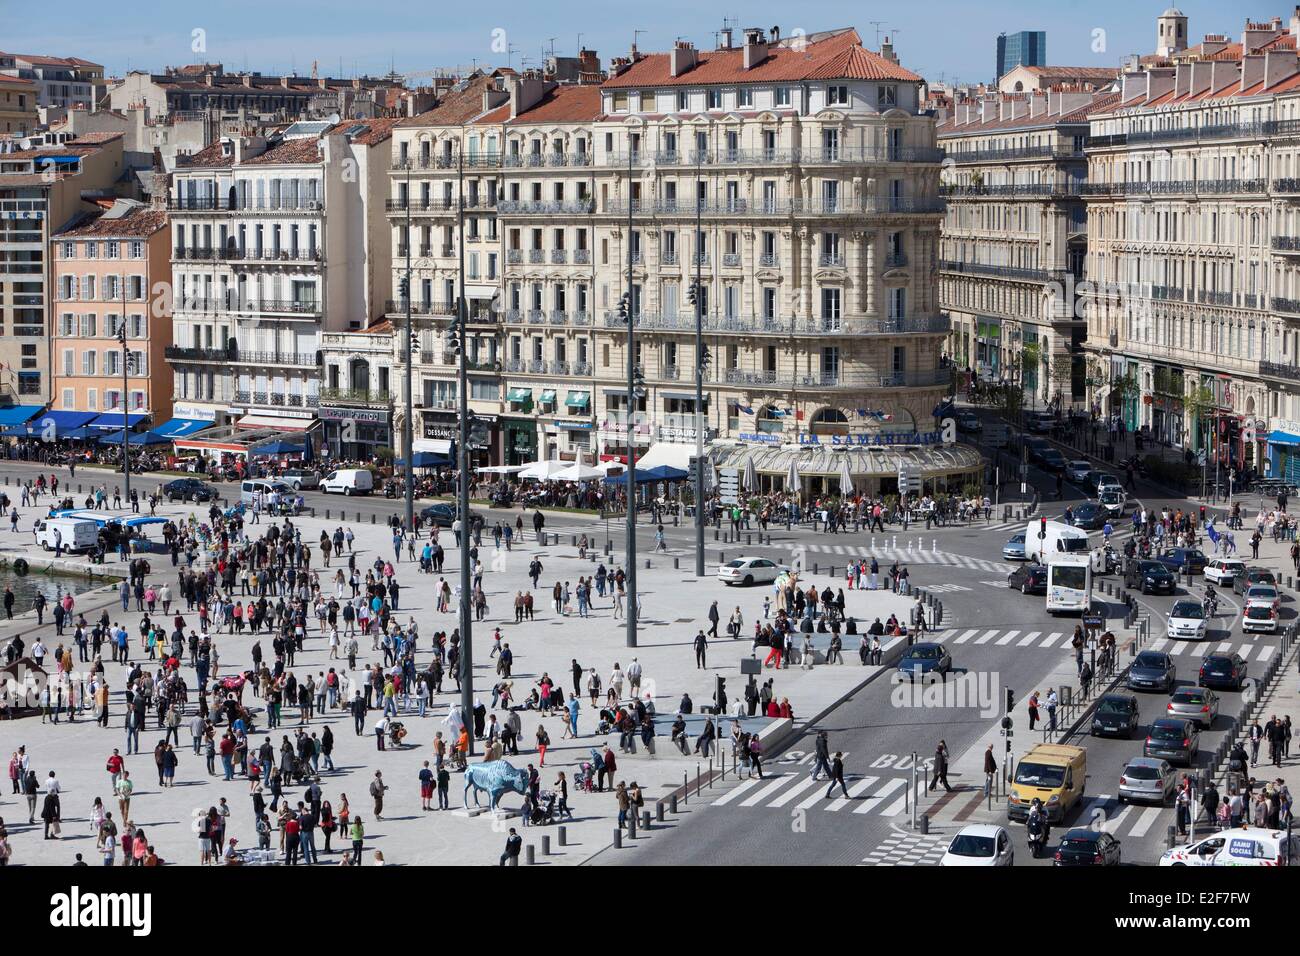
[(69, 362), (92, 399), (67, 324), (88, 362)]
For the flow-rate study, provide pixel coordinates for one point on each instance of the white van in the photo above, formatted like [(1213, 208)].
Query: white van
[(75, 534), (1060, 538), (1244, 846), (348, 481), (250, 486)]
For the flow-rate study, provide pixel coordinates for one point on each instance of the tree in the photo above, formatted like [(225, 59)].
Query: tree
[(1061, 373), (1198, 404), (1031, 360)]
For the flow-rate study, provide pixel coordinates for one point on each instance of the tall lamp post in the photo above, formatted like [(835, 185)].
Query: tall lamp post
[(408, 431), (701, 365), (632, 389), (126, 452), (462, 455)]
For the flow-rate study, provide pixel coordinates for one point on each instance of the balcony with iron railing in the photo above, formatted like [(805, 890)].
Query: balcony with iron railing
[(830, 260), (537, 256), (267, 206), (357, 396), (234, 254), (582, 368), (445, 161), (995, 190), (546, 207), (1220, 131), (1286, 243), (731, 260), (560, 368), (398, 307), (582, 257), (1213, 297), (1289, 373), (182, 353), (841, 381), (769, 261), (298, 359), (559, 257), (668, 258), (877, 206), (895, 260), (669, 372), (964, 156), (1169, 293), (514, 257), (749, 325), (1003, 272), (809, 156), (1287, 306)]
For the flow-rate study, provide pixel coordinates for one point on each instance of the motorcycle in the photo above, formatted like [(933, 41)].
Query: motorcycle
[(1210, 605), (1110, 559), (390, 490), (1038, 829)]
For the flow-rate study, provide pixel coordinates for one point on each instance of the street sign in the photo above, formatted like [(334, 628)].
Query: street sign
[(909, 480), (729, 485), (1201, 459)]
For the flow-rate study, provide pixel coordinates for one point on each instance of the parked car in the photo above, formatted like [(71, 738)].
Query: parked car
[(1029, 578), (1258, 619), (348, 482), (188, 489), (1116, 716), (749, 571), (1149, 577), (1051, 460), (979, 844), (1251, 577), (1039, 422), (1014, 549), (1186, 621), (1077, 470), (1173, 739), (1147, 780), (1223, 571), (1153, 670), (1196, 704), (1183, 560), (1084, 847), (1224, 671), (925, 660), (300, 478), (969, 422)]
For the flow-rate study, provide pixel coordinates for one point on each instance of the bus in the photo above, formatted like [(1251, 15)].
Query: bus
[(1069, 584)]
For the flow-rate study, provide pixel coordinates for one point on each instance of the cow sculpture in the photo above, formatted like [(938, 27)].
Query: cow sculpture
[(496, 777)]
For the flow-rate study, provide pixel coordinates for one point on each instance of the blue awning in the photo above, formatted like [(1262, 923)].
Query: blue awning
[(147, 438), (114, 420), (18, 414), (82, 433), (1283, 438), (58, 424), (426, 459), (181, 428)]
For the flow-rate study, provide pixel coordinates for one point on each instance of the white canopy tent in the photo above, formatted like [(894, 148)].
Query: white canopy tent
[(672, 454), (579, 472), (500, 469), (544, 470)]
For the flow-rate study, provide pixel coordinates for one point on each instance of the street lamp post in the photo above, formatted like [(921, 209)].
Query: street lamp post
[(462, 458), (699, 383), (126, 452), (631, 426), (408, 431)]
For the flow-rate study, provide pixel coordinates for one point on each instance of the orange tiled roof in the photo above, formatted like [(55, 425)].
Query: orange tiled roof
[(498, 115), (564, 104), (455, 106), (210, 156), (1101, 73), (840, 56), (140, 222), (288, 153)]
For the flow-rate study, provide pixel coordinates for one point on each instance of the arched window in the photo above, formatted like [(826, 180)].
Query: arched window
[(829, 421), (770, 419)]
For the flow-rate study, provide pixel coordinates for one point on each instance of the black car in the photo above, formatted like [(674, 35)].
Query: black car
[(1084, 847), (1089, 516), (1222, 671), (1149, 577), (1029, 578), (1183, 560), (188, 489), (1174, 739), (1252, 576), (1035, 447), (1051, 459), (1116, 716), (1153, 670), (442, 514)]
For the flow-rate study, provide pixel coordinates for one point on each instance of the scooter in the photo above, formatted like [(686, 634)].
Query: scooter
[(1037, 828)]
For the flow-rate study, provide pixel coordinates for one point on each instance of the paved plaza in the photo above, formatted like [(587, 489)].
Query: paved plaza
[(674, 607)]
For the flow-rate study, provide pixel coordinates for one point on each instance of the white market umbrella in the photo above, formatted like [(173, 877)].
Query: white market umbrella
[(579, 472), (792, 476), (846, 478), (544, 470), (751, 475), (500, 469)]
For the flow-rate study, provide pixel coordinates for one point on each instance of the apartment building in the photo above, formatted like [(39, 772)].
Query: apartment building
[(17, 105), (113, 268), (41, 192), (274, 241), (1193, 235), (1014, 240), (60, 81)]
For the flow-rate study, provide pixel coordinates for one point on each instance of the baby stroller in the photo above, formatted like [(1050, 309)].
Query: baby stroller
[(396, 733), (584, 779), (300, 770), (544, 810)]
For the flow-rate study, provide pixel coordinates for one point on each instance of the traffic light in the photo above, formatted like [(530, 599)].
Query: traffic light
[(1006, 723), (638, 384), (720, 695), (623, 307), (1042, 528), (404, 288), (705, 360), (1011, 701), (453, 341)]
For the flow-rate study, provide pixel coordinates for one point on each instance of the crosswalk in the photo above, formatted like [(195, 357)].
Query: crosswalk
[(912, 556), (1060, 640), (949, 588)]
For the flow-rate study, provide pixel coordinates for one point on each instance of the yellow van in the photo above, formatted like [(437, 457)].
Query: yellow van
[(1054, 774)]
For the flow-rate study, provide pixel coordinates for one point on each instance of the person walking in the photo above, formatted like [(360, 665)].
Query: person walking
[(701, 650), (837, 776), (821, 750), (940, 768)]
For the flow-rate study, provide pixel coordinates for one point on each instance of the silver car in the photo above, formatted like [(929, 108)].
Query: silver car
[(1196, 704), (1147, 780), (300, 478)]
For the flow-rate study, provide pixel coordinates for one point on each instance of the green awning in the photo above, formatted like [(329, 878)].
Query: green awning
[(548, 396), (580, 400), (519, 395)]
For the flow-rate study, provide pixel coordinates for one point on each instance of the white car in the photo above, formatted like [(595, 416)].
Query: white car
[(979, 844), (300, 478), (1259, 619), (1078, 469), (1245, 846), (1223, 571), (750, 571), (1111, 500), (1186, 621), (1108, 481), (1263, 595)]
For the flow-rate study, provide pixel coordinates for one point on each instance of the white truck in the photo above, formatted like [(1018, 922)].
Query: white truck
[(1059, 538), (73, 534), (1069, 584)]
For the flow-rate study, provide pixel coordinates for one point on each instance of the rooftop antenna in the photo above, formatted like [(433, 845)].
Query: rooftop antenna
[(511, 50), (579, 42), (552, 39), (877, 24), (635, 34)]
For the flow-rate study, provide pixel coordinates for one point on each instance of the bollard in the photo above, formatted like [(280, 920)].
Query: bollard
[(358, 517), (546, 844), (562, 836), (659, 811), (675, 522), (647, 563), (938, 613), (631, 825), (372, 518), (715, 534), (925, 824), (618, 839), (722, 557), (816, 569), (529, 855), (749, 539), (645, 820), (676, 563), (672, 803), (327, 514), (313, 511), (1171, 837)]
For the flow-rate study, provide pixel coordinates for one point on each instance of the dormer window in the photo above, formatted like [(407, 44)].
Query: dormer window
[(745, 96), (620, 102), (715, 99), (683, 102), (837, 95), (886, 95)]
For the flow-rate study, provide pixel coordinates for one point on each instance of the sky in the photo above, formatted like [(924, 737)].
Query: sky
[(943, 40)]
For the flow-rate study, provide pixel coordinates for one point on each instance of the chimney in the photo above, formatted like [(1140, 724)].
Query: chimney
[(284, 82), (1278, 66), (1037, 103), (1295, 22), (1160, 81), (1182, 79), (726, 38), (1200, 81), (755, 48), (1252, 71), (1019, 107), (207, 79), (682, 59), (527, 92), (887, 50), (775, 33), (1132, 85), (248, 80)]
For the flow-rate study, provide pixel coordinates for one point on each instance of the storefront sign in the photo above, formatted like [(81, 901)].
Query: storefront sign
[(372, 416), (446, 430), (569, 423), (196, 412), (762, 438), (877, 438)]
